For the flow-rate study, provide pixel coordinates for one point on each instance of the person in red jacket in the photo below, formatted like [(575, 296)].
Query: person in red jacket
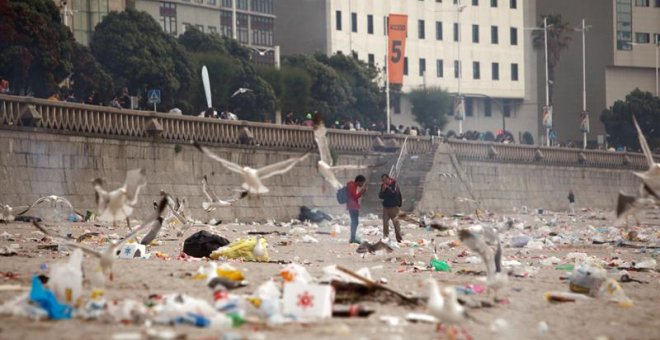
[(354, 190)]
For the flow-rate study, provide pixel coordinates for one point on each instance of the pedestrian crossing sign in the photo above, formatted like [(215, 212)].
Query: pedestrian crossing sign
[(153, 96)]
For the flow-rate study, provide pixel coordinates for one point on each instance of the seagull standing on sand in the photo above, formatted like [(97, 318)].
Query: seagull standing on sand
[(214, 201), (118, 204), (492, 259), (108, 256), (252, 177)]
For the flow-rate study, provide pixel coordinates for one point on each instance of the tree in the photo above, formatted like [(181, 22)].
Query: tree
[(558, 40), (618, 120), (136, 52), (89, 75), (430, 106), (35, 47)]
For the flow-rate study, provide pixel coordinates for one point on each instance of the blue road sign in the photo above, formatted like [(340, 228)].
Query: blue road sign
[(154, 96)]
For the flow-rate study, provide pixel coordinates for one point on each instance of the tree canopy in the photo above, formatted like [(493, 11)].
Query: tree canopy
[(618, 120), (430, 106), (35, 47), (136, 52)]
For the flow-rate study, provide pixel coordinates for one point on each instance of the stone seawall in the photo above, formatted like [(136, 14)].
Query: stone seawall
[(502, 187), (34, 164)]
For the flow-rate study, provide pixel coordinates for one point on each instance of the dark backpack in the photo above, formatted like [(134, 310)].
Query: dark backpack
[(342, 195)]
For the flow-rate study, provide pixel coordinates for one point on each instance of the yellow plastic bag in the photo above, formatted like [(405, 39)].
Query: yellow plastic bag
[(243, 249)]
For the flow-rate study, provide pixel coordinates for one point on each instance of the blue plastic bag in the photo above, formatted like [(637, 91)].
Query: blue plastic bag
[(46, 299)]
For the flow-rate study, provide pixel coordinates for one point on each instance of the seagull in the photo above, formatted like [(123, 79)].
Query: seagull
[(214, 201), (118, 204), (650, 177), (53, 199), (9, 213), (108, 256), (492, 259), (252, 177), (240, 91)]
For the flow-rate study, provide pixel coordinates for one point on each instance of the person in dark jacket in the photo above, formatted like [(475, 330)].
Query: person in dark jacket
[(354, 190), (391, 196)]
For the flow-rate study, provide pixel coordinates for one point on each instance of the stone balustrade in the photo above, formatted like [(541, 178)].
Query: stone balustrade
[(89, 120)]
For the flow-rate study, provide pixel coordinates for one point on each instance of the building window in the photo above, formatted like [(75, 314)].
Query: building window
[(469, 106), (405, 66), (642, 38), (457, 69), (493, 3), (456, 32), (623, 25), (514, 36), (438, 30), (488, 107), (370, 24), (642, 3), (354, 23), (439, 68), (372, 61), (513, 4), (506, 108), (476, 72), (168, 17), (213, 30), (494, 39), (338, 20), (475, 2), (495, 71), (421, 33), (422, 67), (514, 72), (475, 33)]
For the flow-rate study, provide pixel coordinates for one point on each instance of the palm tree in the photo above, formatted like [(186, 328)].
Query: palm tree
[(558, 40)]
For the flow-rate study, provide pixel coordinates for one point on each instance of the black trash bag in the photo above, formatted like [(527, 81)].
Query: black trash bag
[(203, 243), (312, 215)]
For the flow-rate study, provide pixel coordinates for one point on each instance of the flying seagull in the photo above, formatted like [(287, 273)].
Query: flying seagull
[(108, 256), (240, 91), (214, 201), (118, 204), (489, 248), (252, 177)]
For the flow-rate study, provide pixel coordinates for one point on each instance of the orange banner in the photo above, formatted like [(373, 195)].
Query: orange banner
[(396, 47)]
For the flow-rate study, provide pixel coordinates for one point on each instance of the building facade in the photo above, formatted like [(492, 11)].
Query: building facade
[(472, 47), (255, 21), (620, 56)]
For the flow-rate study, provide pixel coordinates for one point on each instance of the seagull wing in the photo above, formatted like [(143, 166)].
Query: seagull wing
[(210, 194), (480, 247), (136, 179), (231, 166), (280, 167), (644, 144), (64, 240)]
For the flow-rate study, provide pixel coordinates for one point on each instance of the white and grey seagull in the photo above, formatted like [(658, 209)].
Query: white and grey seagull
[(108, 256), (252, 177), (118, 204), (489, 248), (213, 200)]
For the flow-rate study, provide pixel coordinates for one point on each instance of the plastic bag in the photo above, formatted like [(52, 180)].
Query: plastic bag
[(242, 249)]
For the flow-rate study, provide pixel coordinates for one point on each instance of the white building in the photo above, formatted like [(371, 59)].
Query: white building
[(488, 36)]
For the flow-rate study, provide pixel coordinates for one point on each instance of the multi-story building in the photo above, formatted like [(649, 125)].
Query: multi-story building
[(486, 37), (255, 21), (620, 56)]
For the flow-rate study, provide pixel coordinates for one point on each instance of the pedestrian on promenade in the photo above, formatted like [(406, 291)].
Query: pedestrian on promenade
[(354, 190), (390, 193)]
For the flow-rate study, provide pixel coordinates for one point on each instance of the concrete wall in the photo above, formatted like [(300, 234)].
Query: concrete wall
[(36, 164), (501, 187)]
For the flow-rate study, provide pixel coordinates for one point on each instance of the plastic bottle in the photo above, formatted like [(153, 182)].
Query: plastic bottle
[(66, 279)]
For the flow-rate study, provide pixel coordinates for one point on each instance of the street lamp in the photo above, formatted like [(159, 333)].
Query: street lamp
[(585, 128), (547, 80), (263, 50)]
